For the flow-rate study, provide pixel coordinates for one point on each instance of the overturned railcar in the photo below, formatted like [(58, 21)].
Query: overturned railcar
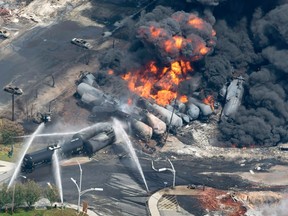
[(98, 142)]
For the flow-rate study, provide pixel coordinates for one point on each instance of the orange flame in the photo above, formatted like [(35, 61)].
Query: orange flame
[(159, 84), (155, 32), (183, 99), (129, 102), (110, 72), (204, 50), (209, 100), (196, 22), (175, 42)]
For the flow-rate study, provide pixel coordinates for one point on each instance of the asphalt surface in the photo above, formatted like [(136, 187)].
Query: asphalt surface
[(40, 52), (47, 50), (124, 191)]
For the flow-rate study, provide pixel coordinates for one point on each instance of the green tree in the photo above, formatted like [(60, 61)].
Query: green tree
[(9, 130), (32, 192), (19, 195), (7, 136), (51, 193), (5, 196)]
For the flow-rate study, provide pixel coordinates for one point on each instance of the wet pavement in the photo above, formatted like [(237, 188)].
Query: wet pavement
[(124, 191)]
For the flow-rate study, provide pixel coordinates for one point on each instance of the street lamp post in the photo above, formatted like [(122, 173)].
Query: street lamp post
[(13, 194), (13, 106), (79, 187), (13, 90), (167, 169)]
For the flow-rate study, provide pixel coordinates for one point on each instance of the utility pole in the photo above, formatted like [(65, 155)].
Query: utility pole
[(13, 106)]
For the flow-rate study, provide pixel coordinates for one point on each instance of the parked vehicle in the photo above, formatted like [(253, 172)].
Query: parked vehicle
[(4, 34), (81, 42)]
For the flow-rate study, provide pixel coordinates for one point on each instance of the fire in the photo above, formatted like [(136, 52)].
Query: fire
[(204, 50), (193, 40), (159, 84), (175, 42), (183, 99), (110, 72), (196, 22), (155, 32), (209, 100), (129, 102)]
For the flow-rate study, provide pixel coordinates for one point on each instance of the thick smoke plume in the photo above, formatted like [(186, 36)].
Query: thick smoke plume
[(252, 41), (180, 36), (262, 118)]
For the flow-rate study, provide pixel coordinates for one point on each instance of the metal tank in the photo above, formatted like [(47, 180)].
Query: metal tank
[(142, 130), (158, 126), (234, 96), (98, 142), (206, 110), (93, 130), (192, 111), (85, 88), (73, 147)]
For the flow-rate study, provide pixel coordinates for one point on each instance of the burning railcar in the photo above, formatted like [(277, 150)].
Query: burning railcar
[(86, 142)]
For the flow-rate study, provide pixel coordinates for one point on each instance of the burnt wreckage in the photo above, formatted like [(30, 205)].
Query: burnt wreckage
[(86, 141)]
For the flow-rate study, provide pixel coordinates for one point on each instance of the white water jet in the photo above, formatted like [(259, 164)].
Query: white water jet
[(49, 134), (57, 134), (25, 149), (119, 131), (57, 173)]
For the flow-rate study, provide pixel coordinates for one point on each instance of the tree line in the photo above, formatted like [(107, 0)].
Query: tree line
[(26, 194)]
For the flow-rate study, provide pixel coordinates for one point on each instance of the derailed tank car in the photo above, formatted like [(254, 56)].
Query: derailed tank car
[(37, 158), (98, 142), (74, 147), (85, 142)]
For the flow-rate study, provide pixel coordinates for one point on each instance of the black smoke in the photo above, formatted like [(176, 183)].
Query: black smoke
[(252, 41)]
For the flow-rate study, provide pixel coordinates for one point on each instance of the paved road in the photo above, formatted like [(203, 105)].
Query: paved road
[(40, 52), (124, 191)]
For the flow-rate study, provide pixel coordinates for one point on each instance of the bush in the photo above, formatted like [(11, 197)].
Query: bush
[(32, 192), (8, 130)]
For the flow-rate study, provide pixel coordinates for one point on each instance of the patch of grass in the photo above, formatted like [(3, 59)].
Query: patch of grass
[(4, 149), (48, 212)]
